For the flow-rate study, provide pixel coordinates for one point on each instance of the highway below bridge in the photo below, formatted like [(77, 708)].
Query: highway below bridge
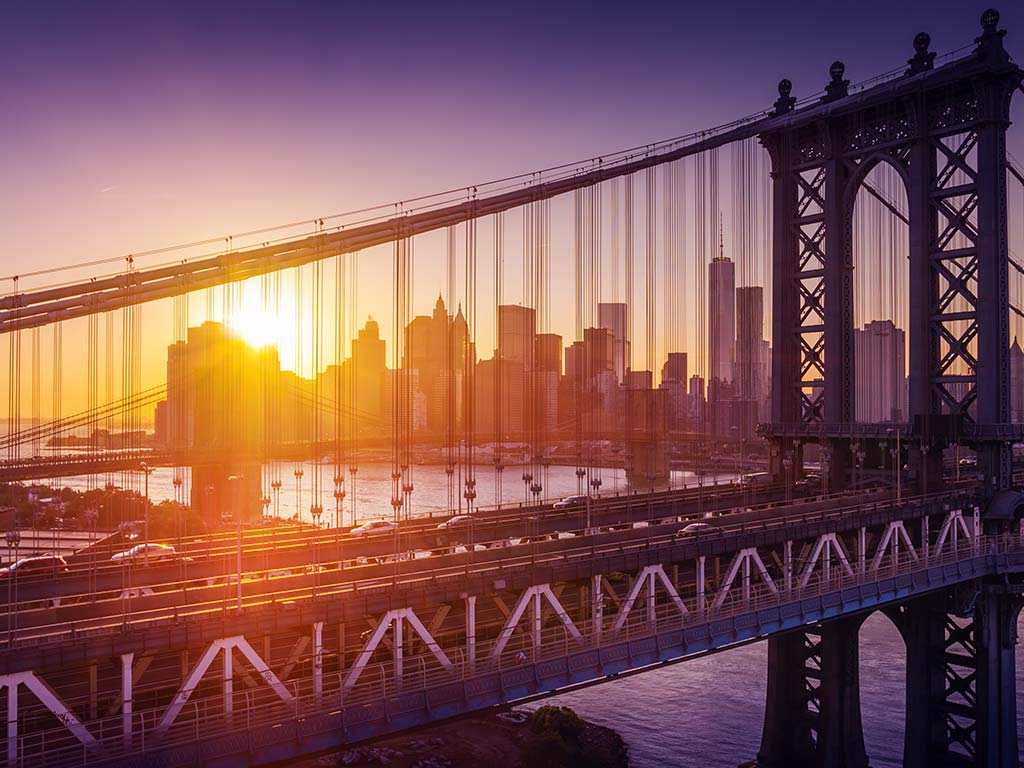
[(180, 663)]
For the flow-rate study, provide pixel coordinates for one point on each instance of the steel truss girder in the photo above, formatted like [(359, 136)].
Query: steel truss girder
[(808, 227), (958, 668), (955, 272)]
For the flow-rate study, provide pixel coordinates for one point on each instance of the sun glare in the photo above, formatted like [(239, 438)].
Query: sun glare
[(255, 325)]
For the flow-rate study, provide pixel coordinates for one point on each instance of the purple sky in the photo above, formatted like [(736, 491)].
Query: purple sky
[(132, 125), (135, 125)]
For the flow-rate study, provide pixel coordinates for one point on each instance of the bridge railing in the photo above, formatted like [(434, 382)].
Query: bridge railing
[(501, 562)]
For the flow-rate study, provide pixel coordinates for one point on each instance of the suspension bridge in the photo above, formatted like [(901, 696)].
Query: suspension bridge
[(862, 443)]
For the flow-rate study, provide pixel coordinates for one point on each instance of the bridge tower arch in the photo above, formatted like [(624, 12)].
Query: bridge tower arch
[(944, 129), (875, 230)]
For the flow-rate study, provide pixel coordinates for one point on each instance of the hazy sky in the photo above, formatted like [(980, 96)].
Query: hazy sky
[(134, 125)]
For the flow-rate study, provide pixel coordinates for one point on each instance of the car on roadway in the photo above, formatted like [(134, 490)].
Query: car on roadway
[(969, 461), (699, 529), (39, 564), (459, 521), (151, 552), (373, 528), (569, 502), (757, 480)]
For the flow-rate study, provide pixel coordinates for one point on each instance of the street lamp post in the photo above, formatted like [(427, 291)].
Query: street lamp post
[(298, 492), (13, 538), (276, 485), (147, 471), (899, 470), (233, 485), (316, 512)]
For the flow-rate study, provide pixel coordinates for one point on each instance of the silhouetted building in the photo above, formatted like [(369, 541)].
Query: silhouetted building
[(499, 399), (698, 414), (549, 352), (548, 372), (639, 380), (674, 383), (404, 401), (749, 338), (217, 391), (721, 318), (517, 327), (438, 347), (1016, 382), (369, 362), (749, 368), (675, 368), (613, 317), (881, 378)]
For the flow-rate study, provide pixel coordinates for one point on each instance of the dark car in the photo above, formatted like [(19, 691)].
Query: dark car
[(31, 566)]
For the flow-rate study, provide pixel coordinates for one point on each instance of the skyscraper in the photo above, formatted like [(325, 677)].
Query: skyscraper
[(517, 327), (675, 368), (545, 379), (721, 318), (674, 382), (369, 362), (1016, 382), (749, 337), (549, 352), (881, 372), (612, 316)]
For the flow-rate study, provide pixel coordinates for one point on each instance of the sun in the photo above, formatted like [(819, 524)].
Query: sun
[(256, 325)]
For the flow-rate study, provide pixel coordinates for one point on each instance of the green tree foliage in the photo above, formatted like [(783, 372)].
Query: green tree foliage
[(555, 740)]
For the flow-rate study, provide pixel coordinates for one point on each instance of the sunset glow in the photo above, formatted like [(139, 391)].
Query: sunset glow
[(256, 325)]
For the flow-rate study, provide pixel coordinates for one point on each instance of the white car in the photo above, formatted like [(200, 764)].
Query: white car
[(145, 552), (373, 528), (456, 522), (569, 502), (700, 529)]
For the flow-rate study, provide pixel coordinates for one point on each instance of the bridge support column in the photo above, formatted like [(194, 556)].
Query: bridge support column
[(922, 623), (961, 682), (787, 739), (318, 660), (995, 628), (471, 632), (127, 664), (812, 713), (12, 725), (228, 685), (840, 742)]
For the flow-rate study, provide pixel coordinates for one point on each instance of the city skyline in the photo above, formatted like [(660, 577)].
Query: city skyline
[(110, 198)]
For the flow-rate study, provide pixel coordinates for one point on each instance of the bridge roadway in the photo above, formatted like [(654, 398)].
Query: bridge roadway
[(79, 613), (333, 669), (270, 550), (175, 600)]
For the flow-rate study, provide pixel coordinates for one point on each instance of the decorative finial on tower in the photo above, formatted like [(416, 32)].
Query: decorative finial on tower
[(923, 59), (837, 87), (990, 44), (785, 102)]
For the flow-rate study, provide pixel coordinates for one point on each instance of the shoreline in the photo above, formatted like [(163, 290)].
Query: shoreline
[(491, 738)]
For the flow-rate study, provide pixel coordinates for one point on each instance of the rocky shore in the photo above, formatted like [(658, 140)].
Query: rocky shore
[(550, 737)]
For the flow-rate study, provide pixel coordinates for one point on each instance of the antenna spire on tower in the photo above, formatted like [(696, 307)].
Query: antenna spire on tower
[(721, 238)]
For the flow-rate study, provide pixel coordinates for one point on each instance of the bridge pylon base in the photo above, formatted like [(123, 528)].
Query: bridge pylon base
[(812, 713)]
